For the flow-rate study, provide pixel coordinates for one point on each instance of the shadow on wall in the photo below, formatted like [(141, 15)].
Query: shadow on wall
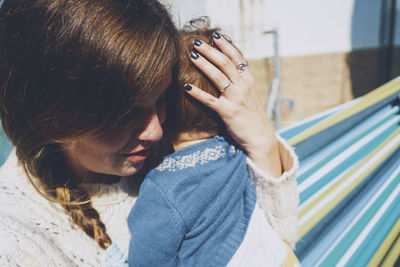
[(371, 67)]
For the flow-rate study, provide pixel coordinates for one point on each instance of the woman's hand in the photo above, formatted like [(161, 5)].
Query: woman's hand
[(238, 105)]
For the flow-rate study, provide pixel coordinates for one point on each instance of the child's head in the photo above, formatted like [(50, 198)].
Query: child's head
[(185, 114)]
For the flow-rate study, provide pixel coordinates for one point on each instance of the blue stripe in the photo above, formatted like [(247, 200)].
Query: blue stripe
[(322, 236), (287, 134), (384, 114), (344, 244), (347, 142), (320, 139), (375, 238), (348, 163)]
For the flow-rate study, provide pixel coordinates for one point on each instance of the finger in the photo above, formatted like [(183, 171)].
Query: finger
[(203, 97), (211, 71), (232, 53), (228, 49), (220, 60)]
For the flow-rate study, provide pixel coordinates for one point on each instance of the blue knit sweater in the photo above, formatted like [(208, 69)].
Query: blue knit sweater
[(194, 208)]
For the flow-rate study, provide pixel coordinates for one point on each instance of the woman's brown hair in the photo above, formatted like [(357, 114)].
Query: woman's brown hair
[(186, 114), (71, 68)]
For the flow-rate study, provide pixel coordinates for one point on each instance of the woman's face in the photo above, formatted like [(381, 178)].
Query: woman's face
[(121, 151)]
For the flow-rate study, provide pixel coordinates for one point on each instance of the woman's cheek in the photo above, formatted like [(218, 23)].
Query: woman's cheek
[(110, 141)]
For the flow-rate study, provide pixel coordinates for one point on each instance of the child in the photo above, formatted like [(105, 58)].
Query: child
[(195, 208)]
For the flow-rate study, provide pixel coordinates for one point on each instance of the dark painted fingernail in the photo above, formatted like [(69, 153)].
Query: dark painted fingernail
[(188, 87), (194, 55), (216, 35), (197, 42)]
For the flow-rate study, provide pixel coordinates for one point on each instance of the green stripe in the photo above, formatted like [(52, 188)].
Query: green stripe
[(341, 248), (323, 162), (385, 91), (377, 235), (348, 163)]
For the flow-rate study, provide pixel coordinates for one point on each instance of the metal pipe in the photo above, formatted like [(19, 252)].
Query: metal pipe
[(273, 108)]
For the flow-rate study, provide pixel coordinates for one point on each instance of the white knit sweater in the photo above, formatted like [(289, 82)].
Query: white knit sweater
[(36, 232)]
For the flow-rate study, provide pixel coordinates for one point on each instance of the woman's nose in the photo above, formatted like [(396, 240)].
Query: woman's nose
[(152, 131)]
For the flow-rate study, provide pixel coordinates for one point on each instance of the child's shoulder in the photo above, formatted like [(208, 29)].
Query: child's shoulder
[(198, 155), (196, 163)]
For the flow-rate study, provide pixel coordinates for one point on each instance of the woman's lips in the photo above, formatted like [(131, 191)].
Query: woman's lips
[(137, 156)]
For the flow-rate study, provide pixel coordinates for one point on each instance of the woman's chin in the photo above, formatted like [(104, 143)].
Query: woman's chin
[(130, 169)]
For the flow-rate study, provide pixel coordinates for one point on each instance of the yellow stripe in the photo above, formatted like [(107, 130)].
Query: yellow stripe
[(306, 208), (290, 259), (304, 228), (389, 240), (366, 101), (393, 255)]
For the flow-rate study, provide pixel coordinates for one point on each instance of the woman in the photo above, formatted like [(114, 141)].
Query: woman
[(83, 87)]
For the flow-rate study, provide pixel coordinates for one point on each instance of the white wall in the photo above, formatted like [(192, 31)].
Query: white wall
[(311, 26), (305, 27)]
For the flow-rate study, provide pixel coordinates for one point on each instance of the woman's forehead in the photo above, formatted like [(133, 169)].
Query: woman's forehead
[(158, 89)]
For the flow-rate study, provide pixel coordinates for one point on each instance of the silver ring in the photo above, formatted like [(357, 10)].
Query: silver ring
[(226, 87), (242, 66)]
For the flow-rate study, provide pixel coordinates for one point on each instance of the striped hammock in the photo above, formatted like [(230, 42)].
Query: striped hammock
[(349, 182), (5, 146)]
